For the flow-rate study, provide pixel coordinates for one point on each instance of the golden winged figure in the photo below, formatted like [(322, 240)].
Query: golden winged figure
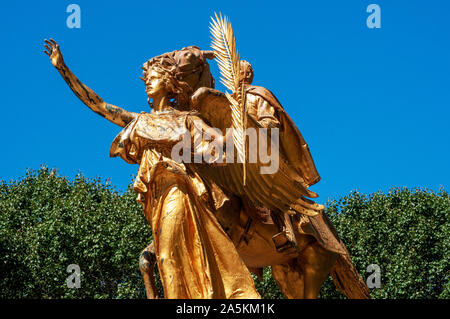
[(212, 222)]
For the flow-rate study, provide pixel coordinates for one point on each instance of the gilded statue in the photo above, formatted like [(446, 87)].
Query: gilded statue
[(215, 221)]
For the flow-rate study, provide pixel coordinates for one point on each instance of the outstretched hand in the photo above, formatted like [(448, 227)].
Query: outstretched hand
[(54, 53)]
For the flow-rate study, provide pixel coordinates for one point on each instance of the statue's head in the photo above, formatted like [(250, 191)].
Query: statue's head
[(246, 72), (177, 75)]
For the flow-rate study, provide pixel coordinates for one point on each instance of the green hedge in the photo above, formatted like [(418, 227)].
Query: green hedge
[(48, 222), (405, 232)]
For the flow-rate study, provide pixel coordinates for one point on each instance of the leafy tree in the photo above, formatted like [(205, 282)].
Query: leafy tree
[(48, 222), (405, 232)]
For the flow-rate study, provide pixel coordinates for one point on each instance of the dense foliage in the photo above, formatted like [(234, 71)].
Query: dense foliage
[(48, 222), (405, 232)]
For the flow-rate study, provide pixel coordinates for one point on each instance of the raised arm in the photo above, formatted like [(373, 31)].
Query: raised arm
[(111, 112)]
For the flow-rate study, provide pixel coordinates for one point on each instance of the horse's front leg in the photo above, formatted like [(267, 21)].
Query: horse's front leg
[(147, 261)]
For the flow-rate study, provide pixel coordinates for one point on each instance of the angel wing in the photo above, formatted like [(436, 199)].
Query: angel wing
[(286, 190)]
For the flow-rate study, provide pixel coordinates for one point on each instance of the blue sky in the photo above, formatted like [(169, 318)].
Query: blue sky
[(373, 104)]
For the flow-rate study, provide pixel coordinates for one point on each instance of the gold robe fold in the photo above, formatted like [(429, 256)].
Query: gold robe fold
[(195, 257)]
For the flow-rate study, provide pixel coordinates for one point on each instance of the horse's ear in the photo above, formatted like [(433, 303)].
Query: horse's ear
[(209, 54)]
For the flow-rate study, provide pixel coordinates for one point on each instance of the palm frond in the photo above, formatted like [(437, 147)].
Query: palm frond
[(224, 45)]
